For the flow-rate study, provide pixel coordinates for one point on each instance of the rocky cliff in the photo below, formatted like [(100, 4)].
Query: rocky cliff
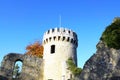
[(103, 65)]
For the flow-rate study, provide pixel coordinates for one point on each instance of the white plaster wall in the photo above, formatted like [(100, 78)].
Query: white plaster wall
[(53, 66)]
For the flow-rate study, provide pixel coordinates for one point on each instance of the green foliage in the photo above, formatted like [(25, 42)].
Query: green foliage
[(73, 68), (16, 71), (111, 36)]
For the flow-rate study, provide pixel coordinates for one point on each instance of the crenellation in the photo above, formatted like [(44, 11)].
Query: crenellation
[(52, 30), (61, 31), (56, 34), (60, 38)]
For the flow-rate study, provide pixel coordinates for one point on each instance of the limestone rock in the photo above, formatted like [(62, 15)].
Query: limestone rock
[(103, 65)]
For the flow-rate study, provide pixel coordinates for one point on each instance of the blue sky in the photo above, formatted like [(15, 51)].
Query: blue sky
[(24, 21)]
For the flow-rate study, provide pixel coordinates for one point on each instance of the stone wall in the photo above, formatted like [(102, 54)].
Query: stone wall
[(32, 68)]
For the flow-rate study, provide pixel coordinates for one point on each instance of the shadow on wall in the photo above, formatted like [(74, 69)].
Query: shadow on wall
[(115, 78), (3, 78)]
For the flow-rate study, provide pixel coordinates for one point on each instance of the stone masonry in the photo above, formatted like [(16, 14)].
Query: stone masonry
[(31, 68)]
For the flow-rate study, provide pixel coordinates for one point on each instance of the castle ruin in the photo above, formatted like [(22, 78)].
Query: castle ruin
[(59, 44)]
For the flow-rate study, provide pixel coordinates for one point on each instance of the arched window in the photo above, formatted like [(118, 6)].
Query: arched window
[(17, 69), (52, 49)]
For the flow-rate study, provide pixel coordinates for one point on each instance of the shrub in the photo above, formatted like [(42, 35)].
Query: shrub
[(111, 35), (73, 68)]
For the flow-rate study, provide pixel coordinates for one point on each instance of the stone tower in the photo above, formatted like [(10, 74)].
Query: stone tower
[(60, 44)]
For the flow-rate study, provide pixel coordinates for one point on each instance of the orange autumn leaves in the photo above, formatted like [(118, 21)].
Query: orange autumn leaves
[(35, 49)]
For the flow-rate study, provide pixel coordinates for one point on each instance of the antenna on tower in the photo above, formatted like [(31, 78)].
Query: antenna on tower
[(60, 20)]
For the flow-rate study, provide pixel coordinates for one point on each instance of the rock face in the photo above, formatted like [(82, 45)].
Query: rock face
[(103, 65), (31, 68)]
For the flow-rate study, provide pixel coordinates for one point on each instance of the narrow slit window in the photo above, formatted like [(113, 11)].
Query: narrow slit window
[(58, 38), (54, 37), (63, 38), (68, 38), (52, 49)]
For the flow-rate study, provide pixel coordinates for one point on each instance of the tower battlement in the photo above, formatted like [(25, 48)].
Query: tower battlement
[(60, 34)]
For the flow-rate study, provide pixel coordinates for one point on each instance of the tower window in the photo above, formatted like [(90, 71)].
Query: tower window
[(68, 38), (52, 49), (58, 37), (63, 38)]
